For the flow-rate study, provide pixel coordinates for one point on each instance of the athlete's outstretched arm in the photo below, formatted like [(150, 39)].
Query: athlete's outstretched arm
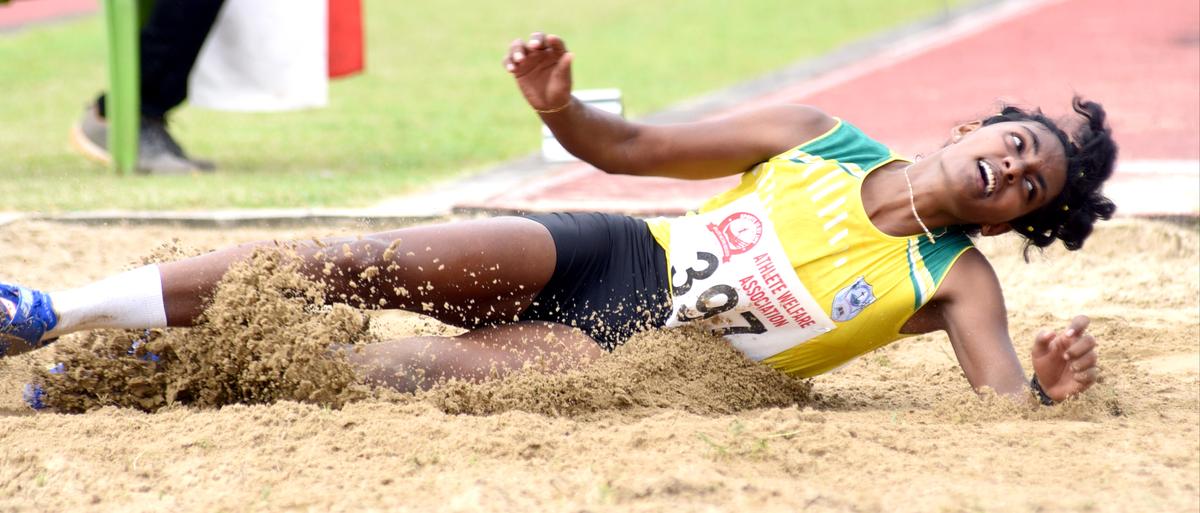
[(706, 149), (970, 307)]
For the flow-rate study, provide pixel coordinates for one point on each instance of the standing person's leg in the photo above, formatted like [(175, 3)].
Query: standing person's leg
[(170, 42)]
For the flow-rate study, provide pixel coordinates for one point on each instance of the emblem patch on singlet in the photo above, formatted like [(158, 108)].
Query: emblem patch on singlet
[(848, 302), (737, 233)]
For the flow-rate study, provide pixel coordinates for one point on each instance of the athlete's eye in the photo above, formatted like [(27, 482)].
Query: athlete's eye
[(1017, 143)]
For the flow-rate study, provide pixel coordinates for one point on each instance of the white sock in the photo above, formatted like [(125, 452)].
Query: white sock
[(130, 300)]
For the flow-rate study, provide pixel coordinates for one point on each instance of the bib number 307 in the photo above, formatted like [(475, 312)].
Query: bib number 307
[(713, 301), (730, 274)]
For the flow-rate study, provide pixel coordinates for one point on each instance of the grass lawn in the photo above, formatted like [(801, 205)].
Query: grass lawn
[(433, 103)]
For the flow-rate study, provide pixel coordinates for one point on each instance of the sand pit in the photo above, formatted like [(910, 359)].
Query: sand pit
[(672, 421)]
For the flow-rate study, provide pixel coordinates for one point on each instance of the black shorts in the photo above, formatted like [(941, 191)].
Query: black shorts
[(610, 277)]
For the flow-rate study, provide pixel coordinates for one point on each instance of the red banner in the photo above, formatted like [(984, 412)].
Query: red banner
[(345, 37)]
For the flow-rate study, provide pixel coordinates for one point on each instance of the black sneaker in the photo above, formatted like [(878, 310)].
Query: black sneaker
[(158, 153)]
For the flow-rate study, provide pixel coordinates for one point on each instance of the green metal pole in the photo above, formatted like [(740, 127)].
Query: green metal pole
[(123, 102)]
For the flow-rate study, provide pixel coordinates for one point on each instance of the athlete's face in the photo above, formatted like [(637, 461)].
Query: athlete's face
[(994, 174)]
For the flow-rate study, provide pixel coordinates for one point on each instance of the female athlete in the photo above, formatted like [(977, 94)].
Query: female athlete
[(831, 246)]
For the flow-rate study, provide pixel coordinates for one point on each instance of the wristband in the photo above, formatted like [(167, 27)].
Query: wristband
[(556, 109), (1040, 392)]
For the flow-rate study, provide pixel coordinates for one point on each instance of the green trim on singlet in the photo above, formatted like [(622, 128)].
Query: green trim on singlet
[(849, 144), (938, 258)]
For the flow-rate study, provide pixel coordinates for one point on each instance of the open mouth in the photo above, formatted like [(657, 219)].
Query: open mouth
[(988, 175)]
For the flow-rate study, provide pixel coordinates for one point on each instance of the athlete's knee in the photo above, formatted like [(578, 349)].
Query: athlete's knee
[(350, 257)]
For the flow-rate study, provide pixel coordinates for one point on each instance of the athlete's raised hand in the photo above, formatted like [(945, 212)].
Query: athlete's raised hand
[(542, 67), (1065, 362)]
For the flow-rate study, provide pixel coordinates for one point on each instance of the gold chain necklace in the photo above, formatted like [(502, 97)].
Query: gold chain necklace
[(912, 201)]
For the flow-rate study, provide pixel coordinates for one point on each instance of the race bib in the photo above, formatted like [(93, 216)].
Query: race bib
[(729, 273)]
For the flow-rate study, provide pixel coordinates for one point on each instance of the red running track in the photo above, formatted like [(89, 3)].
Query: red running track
[(19, 13), (1140, 59)]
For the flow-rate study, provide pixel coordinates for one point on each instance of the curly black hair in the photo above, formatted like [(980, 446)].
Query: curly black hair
[(1091, 153)]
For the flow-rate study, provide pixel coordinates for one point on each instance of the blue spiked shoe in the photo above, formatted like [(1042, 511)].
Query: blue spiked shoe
[(25, 315)]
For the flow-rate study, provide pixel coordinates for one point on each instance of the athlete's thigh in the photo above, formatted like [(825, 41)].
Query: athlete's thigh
[(467, 273), (484, 353)]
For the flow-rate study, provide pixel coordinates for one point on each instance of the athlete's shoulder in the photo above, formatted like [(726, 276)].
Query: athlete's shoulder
[(970, 284), (809, 122), (789, 124), (846, 143), (970, 275)]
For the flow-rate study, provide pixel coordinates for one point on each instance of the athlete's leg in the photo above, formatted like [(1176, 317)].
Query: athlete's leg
[(489, 352), (469, 274)]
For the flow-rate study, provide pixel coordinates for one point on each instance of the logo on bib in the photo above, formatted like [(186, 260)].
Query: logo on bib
[(738, 233), (848, 302)]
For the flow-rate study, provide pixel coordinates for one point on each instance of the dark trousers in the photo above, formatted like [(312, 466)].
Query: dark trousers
[(170, 43)]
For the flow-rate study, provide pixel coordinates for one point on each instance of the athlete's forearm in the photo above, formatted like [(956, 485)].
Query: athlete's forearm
[(598, 137)]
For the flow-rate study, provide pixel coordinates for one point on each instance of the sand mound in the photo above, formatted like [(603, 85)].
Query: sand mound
[(681, 369)]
